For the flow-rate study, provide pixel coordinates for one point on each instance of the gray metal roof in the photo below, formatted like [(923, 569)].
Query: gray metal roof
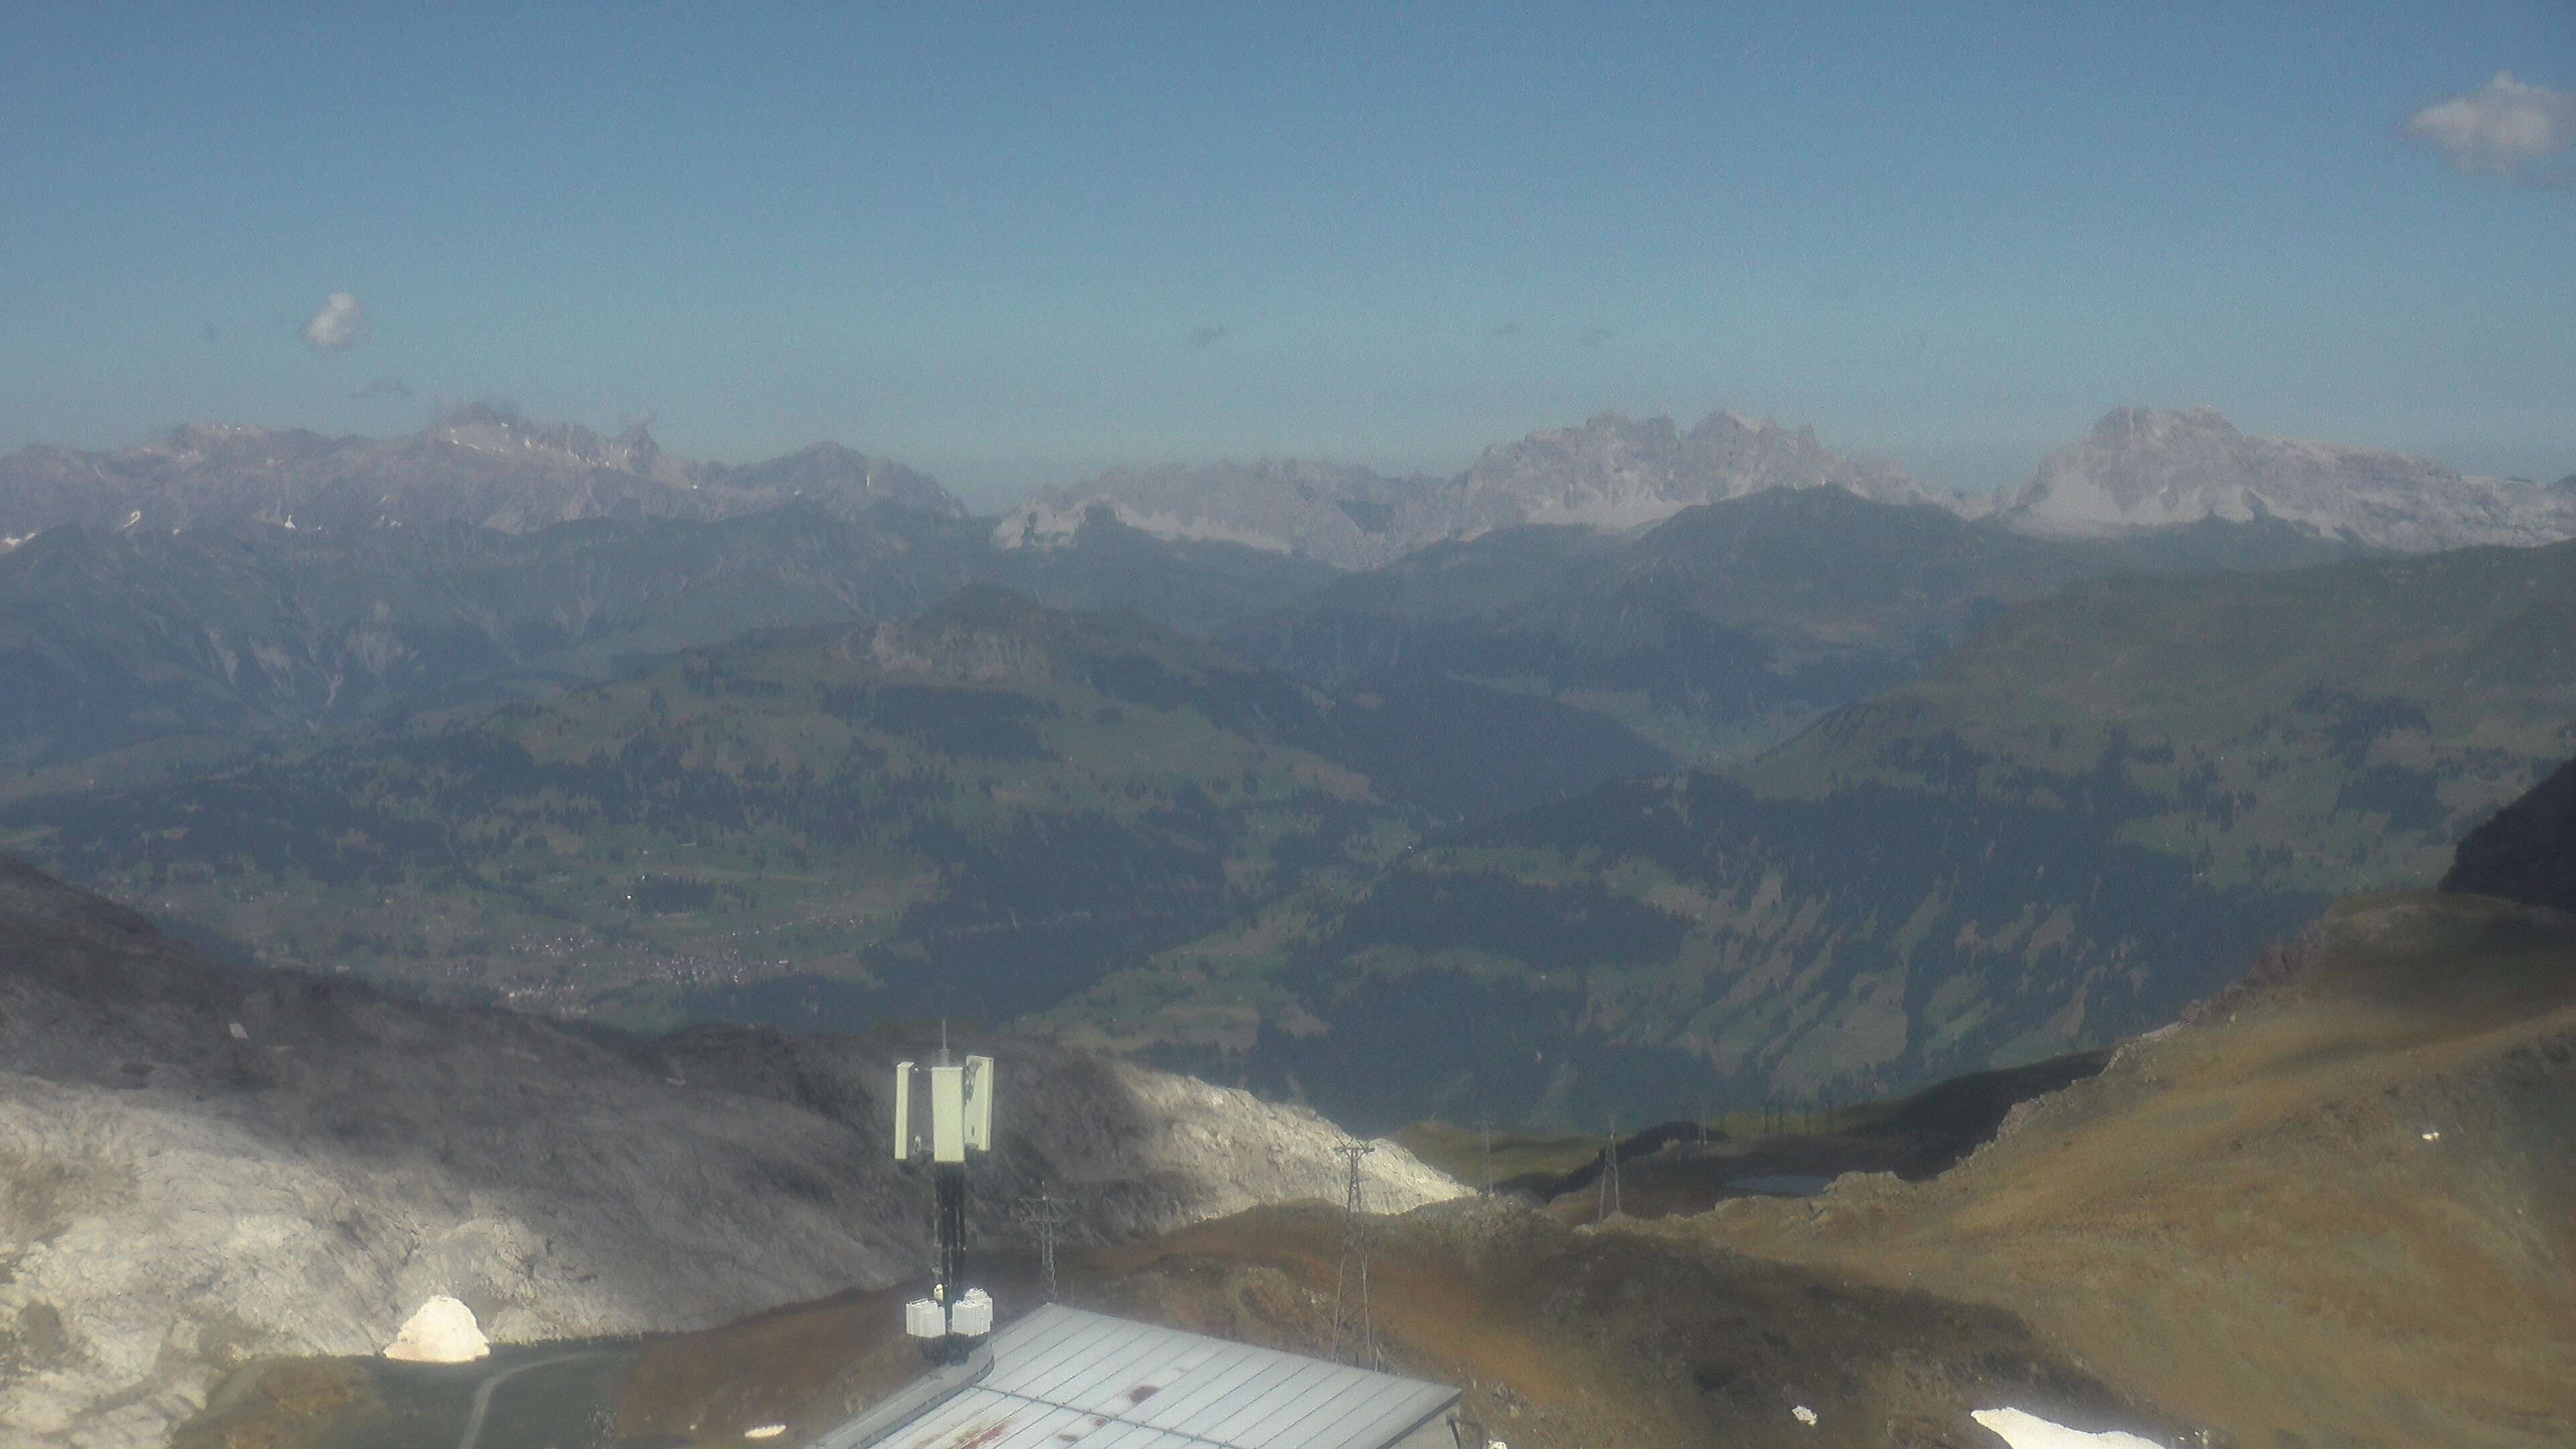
[(1063, 1378)]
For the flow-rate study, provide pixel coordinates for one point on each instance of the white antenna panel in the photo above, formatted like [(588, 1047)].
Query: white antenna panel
[(903, 1112), (947, 1114), (979, 1103)]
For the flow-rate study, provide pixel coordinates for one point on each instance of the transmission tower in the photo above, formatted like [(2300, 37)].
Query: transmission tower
[(1353, 1275), (1609, 1203), (1045, 1216)]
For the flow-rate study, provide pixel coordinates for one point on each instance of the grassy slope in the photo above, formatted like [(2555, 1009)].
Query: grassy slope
[(2245, 1218), (2329, 729)]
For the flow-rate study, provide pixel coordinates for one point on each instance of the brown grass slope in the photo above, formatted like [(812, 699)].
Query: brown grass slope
[(2337, 1208)]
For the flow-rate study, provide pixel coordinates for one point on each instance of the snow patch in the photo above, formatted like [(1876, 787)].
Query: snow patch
[(2030, 1431)]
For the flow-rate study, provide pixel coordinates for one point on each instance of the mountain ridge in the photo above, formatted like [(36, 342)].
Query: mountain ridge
[(2143, 468), (2139, 469), (1612, 473), (481, 465)]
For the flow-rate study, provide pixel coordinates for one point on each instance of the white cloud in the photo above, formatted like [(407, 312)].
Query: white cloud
[(2505, 128), (339, 326)]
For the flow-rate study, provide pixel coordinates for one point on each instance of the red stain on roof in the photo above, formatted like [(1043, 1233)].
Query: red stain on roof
[(977, 1436), (1142, 1392)]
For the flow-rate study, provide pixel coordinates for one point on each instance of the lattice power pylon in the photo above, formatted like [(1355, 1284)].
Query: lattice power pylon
[(1046, 1217), (1609, 1194), (1351, 1280)]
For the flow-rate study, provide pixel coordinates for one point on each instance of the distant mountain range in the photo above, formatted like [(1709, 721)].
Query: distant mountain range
[(1612, 474), (489, 468), (2146, 469), (525, 711), (2140, 469), (481, 466)]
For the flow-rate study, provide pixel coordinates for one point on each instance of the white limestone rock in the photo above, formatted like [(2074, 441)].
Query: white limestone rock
[(442, 1330)]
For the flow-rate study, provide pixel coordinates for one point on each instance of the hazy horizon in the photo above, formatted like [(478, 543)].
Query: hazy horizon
[(1010, 247)]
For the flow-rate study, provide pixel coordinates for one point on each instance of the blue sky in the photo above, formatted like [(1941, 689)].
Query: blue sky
[(1014, 243)]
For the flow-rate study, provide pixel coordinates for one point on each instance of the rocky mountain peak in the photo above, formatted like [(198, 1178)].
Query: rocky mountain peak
[(2151, 468), (483, 464), (1612, 473)]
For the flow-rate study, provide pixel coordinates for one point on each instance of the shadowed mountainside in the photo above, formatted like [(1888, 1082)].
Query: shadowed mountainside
[(2527, 852)]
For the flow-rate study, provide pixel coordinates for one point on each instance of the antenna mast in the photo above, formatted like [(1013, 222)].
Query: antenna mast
[(941, 1113)]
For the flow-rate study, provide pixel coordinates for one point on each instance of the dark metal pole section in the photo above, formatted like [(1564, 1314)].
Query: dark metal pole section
[(948, 1274), (950, 1190)]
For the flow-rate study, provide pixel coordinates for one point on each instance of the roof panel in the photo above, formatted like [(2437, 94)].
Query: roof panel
[(1295, 1381), (1063, 1378), (1068, 1359), (1373, 1416), (1216, 1380), (1301, 1419)]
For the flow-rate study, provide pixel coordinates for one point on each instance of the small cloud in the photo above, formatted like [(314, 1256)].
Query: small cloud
[(644, 419), (2506, 128), (1207, 335), (1512, 328), (384, 387), (339, 326), (1594, 336)]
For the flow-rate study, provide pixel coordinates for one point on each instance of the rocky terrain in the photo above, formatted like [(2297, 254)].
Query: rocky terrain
[(2140, 469), (2144, 468), (1613, 474), (201, 1163), (483, 466)]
